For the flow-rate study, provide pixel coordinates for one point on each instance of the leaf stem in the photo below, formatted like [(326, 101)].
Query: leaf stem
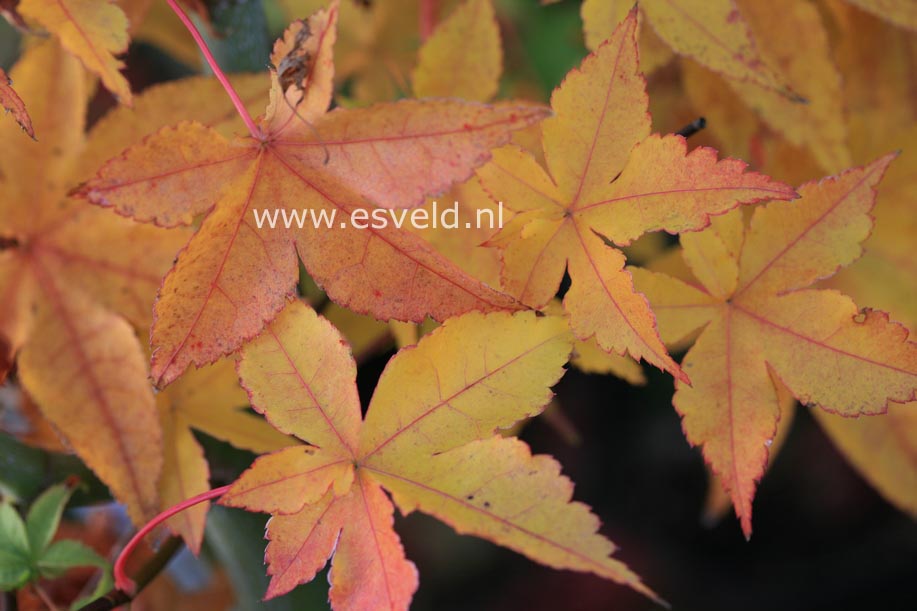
[(122, 581), (212, 62), (145, 575)]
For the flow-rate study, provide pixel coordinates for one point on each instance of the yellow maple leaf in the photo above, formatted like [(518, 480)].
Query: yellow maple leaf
[(762, 324), (608, 181), (713, 32), (92, 30), (429, 437)]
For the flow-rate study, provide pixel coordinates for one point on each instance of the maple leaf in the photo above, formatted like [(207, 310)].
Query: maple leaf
[(609, 180), (762, 324), (428, 437), (233, 277), (12, 103), (92, 30), (71, 277), (468, 44), (873, 57), (791, 35), (715, 33), (807, 108)]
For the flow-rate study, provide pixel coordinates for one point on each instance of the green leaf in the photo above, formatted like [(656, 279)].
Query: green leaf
[(62, 555), (12, 532), (44, 517), (14, 570), (106, 583), (66, 554)]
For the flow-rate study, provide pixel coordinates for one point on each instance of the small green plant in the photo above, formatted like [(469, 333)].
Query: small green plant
[(28, 552)]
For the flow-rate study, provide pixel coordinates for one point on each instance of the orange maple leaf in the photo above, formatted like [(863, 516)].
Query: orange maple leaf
[(72, 279), (429, 437), (762, 325), (233, 277), (609, 181)]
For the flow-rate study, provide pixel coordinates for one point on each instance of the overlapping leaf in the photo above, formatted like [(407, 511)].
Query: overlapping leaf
[(233, 276), (762, 324), (72, 276), (874, 59), (712, 32), (883, 448), (793, 35), (608, 180), (428, 437), (471, 31), (95, 31), (67, 274), (743, 42), (599, 20)]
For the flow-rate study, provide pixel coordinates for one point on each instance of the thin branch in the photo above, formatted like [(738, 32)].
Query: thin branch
[(10, 601), (212, 62), (144, 576)]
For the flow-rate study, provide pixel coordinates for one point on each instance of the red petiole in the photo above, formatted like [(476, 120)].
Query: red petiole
[(125, 583), (212, 62)]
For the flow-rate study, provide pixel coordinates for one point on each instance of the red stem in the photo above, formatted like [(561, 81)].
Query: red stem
[(122, 581), (427, 18), (212, 62)]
